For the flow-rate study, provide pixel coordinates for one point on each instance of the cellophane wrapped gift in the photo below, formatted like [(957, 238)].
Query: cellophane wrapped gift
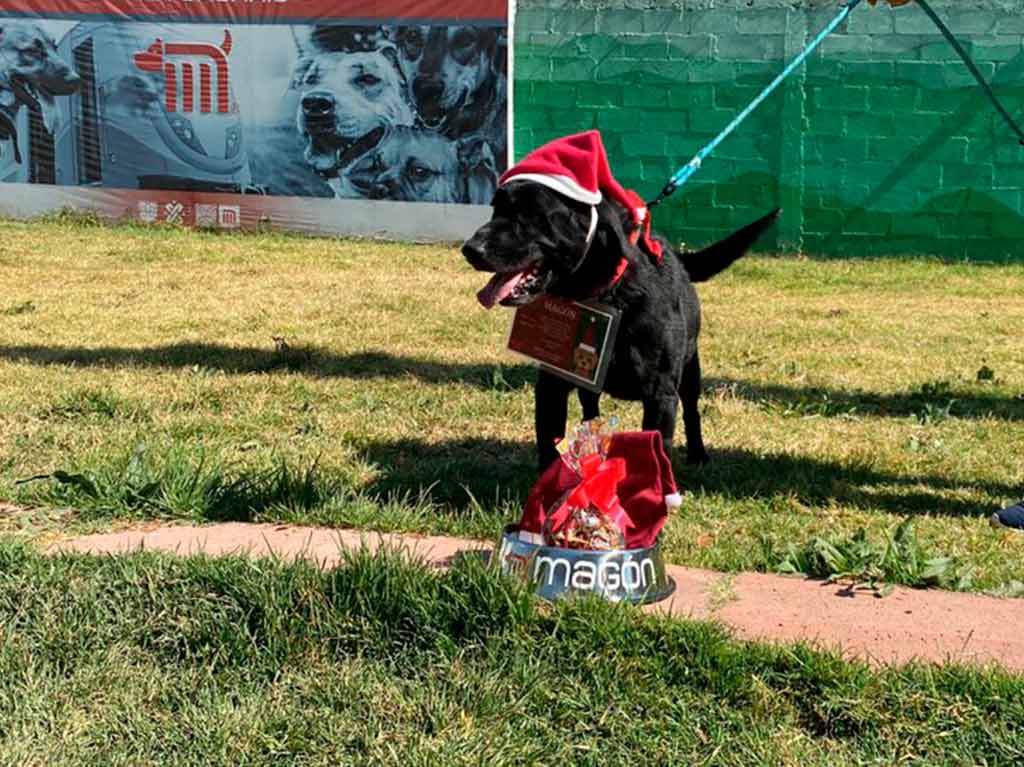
[(589, 516), (646, 494)]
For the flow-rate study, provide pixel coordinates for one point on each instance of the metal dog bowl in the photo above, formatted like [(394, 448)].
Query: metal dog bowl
[(628, 575)]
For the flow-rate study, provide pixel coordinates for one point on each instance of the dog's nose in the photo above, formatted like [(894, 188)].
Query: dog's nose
[(473, 252), (318, 104), (428, 90)]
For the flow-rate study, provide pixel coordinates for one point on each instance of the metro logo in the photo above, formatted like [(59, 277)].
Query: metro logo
[(155, 59)]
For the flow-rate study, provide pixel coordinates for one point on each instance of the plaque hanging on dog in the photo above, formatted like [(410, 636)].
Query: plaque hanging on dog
[(569, 339)]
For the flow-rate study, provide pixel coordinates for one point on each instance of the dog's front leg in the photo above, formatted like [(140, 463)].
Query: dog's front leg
[(551, 411), (660, 415), (689, 393), (590, 401)]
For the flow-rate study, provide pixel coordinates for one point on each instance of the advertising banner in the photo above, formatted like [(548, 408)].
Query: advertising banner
[(388, 117)]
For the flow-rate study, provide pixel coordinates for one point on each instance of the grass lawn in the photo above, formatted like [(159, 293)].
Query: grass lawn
[(202, 376), (144, 660)]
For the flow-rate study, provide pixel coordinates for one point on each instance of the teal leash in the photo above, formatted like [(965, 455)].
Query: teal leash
[(951, 39), (683, 174)]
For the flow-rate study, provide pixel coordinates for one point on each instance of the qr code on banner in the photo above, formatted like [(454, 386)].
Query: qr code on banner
[(206, 215)]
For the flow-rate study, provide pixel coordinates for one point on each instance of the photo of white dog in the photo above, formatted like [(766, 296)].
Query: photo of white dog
[(346, 98), (416, 165), (412, 113)]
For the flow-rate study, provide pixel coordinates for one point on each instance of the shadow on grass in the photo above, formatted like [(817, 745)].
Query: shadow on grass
[(472, 480), (909, 404), (487, 468), (316, 363), (490, 468), (740, 474)]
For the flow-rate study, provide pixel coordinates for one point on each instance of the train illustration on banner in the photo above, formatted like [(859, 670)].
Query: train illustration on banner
[(135, 113)]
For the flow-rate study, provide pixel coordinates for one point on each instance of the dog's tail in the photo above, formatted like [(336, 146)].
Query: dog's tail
[(705, 264)]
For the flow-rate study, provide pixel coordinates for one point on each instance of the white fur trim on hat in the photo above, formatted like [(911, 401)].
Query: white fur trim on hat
[(674, 501), (565, 185)]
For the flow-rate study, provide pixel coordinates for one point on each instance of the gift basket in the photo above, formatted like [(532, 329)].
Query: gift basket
[(592, 521)]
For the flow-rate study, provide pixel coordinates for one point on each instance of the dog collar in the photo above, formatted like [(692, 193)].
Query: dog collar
[(623, 265), (592, 230)]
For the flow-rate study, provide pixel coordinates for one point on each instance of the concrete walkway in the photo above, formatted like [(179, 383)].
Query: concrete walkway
[(934, 626)]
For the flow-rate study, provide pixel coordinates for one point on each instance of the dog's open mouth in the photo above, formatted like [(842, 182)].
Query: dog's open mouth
[(330, 153), (25, 91), (513, 288)]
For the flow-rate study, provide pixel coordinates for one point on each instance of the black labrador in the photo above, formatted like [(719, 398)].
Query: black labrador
[(536, 242)]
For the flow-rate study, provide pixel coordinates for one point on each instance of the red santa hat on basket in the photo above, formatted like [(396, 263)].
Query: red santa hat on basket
[(647, 493), (577, 167)]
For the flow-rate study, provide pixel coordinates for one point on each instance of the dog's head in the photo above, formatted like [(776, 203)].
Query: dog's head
[(584, 362), (29, 54), (445, 68), (138, 94), (348, 97), (32, 73), (416, 165), (537, 241)]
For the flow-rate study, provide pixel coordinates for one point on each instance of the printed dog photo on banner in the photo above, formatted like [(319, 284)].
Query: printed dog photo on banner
[(407, 113), (33, 74), (412, 113)]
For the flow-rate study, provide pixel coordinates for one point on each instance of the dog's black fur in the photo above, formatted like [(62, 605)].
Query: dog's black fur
[(654, 359)]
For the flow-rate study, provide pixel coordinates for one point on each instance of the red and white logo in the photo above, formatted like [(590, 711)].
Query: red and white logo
[(229, 216), (156, 59)]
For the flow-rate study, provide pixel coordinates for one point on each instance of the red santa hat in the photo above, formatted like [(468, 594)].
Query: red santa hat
[(648, 493), (588, 340), (577, 167)]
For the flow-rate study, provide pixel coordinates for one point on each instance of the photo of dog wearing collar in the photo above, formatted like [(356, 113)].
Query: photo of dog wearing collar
[(409, 113), (32, 75)]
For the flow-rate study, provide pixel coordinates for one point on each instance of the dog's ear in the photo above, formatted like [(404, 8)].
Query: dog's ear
[(487, 39), (479, 169), (613, 230), (50, 112), (390, 52), (499, 56), (305, 59)]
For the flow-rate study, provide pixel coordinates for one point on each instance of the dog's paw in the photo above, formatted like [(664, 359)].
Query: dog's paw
[(697, 458)]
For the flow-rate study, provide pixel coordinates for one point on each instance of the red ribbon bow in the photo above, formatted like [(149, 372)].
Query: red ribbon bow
[(599, 487)]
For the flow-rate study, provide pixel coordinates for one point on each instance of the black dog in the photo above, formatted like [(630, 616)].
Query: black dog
[(453, 75), (536, 242)]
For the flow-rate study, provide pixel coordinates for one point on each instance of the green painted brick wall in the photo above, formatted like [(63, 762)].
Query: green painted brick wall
[(881, 144)]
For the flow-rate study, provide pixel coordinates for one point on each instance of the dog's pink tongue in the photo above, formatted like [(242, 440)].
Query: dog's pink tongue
[(500, 286)]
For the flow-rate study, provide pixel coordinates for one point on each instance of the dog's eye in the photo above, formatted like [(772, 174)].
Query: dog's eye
[(419, 172), (33, 53), (464, 47), (366, 80)]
